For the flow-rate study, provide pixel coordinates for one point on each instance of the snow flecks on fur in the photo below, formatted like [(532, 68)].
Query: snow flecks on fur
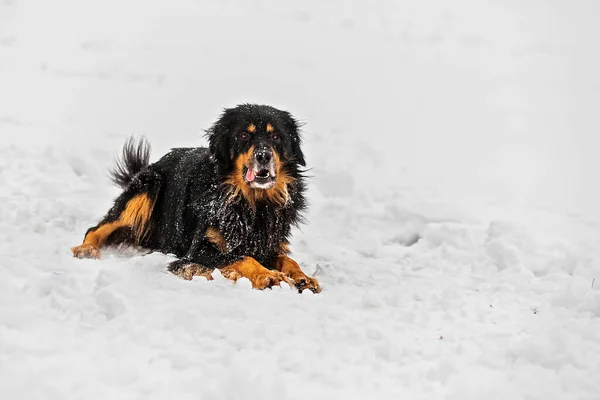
[(453, 195)]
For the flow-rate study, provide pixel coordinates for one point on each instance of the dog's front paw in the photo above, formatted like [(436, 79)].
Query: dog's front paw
[(306, 282), (267, 279), (189, 271), (86, 251)]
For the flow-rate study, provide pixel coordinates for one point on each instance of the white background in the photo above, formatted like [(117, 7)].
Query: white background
[(471, 125)]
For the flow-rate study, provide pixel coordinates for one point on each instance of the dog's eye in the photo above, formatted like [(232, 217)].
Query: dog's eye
[(244, 136), (275, 136)]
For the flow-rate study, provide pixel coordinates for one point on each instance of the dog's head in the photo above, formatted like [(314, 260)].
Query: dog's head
[(257, 150)]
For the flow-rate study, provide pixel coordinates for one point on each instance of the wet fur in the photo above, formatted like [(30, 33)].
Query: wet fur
[(200, 208)]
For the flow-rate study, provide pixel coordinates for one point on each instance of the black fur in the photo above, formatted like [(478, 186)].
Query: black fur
[(221, 136), (190, 195), (135, 157)]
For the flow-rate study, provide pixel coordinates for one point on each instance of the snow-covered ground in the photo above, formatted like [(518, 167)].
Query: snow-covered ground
[(455, 204)]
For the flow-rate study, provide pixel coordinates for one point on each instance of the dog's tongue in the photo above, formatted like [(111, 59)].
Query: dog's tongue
[(250, 175)]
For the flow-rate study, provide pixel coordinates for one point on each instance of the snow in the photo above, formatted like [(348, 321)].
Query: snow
[(454, 216)]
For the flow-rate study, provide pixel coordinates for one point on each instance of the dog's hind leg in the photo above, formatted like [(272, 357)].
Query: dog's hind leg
[(129, 220)]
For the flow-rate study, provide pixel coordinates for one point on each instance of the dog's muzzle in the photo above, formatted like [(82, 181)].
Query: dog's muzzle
[(261, 173)]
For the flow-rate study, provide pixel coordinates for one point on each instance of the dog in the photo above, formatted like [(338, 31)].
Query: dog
[(230, 206)]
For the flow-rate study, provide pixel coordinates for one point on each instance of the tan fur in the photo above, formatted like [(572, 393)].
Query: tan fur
[(270, 128), (278, 194), (215, 237), (135, 215), (189, 271), (291, 269), (260, 277), (284, 248), (251, 128)]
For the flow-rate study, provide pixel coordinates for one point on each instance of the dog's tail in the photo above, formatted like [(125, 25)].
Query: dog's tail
[(135, 157)]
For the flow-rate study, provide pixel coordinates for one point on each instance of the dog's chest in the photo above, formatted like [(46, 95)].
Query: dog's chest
[(254, 232)]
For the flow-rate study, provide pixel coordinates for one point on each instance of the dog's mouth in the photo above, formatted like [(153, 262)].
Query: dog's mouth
[(260, 178)]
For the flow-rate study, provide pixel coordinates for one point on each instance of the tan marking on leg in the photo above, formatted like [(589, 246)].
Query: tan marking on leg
[(85, 251), (189, 271), (135, 215), (260, 277), (292, 270), (90, 248), (215, 237)]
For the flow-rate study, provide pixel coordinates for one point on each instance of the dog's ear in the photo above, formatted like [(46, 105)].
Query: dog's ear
[(218, 144), (293, 127)]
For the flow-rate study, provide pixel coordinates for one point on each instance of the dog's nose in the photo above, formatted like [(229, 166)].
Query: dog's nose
[(263, 156)]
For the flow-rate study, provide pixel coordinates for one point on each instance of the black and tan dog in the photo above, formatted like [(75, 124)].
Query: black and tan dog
[(230, 206)]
